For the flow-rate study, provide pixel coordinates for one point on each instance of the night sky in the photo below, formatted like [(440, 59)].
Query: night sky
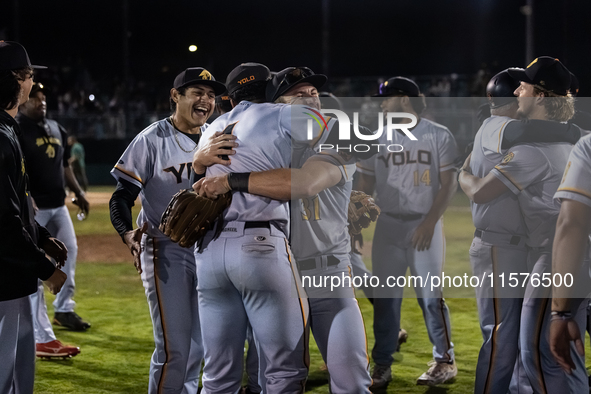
[(373, 38)]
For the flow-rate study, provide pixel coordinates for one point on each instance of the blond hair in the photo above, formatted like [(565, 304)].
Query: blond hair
[(558, 108)]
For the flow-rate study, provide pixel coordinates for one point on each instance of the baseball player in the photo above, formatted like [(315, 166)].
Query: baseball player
[(570, 254), (44, 144), (251, 363), (262, 284), (532, 172), (23, 242), (155, 166), (413, 189), (499, 241), (319, 187)]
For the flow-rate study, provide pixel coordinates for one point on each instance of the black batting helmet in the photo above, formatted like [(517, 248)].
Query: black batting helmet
[(500, 88)]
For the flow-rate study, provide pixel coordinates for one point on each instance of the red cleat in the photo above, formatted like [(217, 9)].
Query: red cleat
[(55, 349)]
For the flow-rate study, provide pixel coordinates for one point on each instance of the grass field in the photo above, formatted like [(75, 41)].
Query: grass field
[(116, 350)]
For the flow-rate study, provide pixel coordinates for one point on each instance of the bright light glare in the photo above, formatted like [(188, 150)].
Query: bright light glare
[(193, 48), (91, 97)]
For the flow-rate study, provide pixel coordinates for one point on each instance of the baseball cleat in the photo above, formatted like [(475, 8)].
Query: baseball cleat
[(438, 373), (402, 338), (380, 376), (55, 349), (70, 320)]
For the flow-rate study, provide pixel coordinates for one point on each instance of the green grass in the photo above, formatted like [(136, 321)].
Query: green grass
[(116, 351)]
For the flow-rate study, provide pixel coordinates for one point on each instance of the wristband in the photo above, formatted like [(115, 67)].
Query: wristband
[(238, 181)]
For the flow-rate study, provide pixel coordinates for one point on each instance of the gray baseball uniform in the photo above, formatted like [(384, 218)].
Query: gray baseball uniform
[(158, 161), (321, 244), (498, 247), (248, 273), (576, 181), (533, 173), (406, 185)]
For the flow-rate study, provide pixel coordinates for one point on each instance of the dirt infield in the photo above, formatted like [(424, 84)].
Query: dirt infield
[(103, 248)]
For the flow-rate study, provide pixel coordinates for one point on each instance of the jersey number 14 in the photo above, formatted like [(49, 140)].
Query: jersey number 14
[(425, 178)]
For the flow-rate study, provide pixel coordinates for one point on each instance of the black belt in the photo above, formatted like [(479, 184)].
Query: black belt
[(257, 225), (310, 264), (515, 239), (405, 218)]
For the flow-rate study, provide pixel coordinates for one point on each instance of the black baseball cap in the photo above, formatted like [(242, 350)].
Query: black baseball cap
[(198, 75), (291, 76), (546, 72), (13, 56), (398, 86), (245, 74)]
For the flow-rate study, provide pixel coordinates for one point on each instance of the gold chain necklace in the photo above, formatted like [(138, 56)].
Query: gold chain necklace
[(177, 138)]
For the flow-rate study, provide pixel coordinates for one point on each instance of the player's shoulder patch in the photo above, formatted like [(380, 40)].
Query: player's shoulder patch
[(507, 158)]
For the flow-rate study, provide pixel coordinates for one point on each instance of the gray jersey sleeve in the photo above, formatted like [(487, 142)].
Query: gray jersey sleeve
[(521, 166), (576, 181), (136, 165), (448, 151)]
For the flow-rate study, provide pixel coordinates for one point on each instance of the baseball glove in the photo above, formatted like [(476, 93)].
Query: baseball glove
[(190, 216), (362, 211)]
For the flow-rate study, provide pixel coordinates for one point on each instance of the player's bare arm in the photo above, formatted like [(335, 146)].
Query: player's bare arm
[(209, 153), (73, 185), (570, 242), (279, 184), (480, 190), (423, 235)]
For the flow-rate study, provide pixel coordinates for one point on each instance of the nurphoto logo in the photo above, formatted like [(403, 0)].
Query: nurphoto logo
[(345, 129)]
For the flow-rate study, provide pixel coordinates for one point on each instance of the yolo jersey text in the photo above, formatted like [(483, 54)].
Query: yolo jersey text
[(407, 181)]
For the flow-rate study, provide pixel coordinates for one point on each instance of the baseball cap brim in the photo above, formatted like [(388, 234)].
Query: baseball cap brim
[(519, 74), (316, 80), (38, 67), (218, 87)]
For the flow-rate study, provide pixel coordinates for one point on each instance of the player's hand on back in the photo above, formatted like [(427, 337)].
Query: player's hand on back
[(56, 281), (212, 187), (210, 151), (133, 239), (56, 250), (466, 165), (421, 239)]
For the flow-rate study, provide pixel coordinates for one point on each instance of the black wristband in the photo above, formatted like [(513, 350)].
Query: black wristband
[(238, 181)]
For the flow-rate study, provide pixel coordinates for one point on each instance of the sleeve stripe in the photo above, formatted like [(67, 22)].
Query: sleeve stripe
[(575, 190), (130, 174), (510, 179)]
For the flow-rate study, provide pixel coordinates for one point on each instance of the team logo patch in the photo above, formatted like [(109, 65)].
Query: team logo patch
[(205, 75), (260, 238), (508, 157), (230, 229)]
